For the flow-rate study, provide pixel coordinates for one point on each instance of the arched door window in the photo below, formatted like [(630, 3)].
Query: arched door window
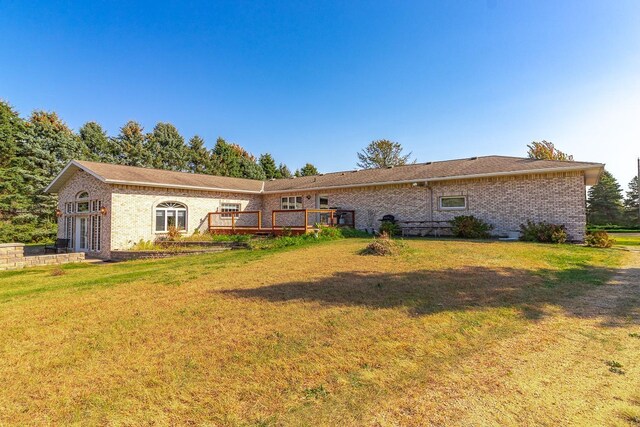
[(82, 202), (171, 214)]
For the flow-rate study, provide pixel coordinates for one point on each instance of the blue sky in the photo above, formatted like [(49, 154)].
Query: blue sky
[(317, 81)]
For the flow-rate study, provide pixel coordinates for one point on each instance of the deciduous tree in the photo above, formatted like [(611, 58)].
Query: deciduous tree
[(382, 153), (545, 150)]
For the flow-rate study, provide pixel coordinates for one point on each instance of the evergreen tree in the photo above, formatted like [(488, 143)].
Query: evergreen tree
[(604, 201), (12, 129), (233, 160), (283, 171), (307, 170), (100, 147), (130, 144), (167, 148), (269, 166), (545, 150), (381, 154), (632, 215), (199, 159)]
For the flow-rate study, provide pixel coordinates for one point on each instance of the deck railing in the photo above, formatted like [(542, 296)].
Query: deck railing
[(233, 223), (297, 220)]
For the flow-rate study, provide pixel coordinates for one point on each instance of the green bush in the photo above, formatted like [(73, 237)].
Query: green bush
[(470, 227), (599, 239), (543, 232), (390, 228)]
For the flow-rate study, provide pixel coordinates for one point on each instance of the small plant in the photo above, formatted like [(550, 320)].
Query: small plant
[(615, 367), (58, 272), (146, 245), (173, 234), (383, 246), (543, 232), (470, 227), (287, 232), (389, 228), (598, 239), (634, 335), (316, 392)]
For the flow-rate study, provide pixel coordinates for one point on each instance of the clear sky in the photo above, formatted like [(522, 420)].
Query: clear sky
[(317, 81)]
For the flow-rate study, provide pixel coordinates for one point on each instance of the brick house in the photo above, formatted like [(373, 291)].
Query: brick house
[(104, 207)]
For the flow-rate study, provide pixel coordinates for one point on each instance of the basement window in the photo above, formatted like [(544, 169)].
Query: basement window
[(453, 203), (229, 207)]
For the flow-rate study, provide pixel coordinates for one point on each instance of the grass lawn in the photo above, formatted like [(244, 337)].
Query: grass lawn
[(450, 332), (626, 239)]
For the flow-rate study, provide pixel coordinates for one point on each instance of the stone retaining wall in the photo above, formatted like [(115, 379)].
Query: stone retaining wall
[(12, 257), (131, 255)]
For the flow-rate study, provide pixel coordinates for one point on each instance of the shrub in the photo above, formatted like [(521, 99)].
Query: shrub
[(353, 232), (389, 228), (599, 239), (173, 234), (543, 232), (470, 227), (384, 246)]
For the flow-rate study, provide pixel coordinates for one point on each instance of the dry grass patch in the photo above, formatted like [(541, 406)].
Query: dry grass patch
[(318, 336)]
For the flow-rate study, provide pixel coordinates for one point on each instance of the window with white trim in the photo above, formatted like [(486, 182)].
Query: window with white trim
[(291, 202), (170, 214), (82, 202), (453, 202), (229, 207)]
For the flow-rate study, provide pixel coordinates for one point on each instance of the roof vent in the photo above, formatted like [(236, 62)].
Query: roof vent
[(390, 167), (427, 163), (473, 158), (272, 179)]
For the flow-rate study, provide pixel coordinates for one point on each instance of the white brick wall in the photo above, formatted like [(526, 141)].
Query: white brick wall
[(134, 210)]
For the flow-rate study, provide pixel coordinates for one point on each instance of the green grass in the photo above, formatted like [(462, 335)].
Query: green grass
[(302, 335), (626, 240)]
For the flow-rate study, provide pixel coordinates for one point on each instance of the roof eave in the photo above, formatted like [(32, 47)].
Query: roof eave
[(177, 186), (595, 167)]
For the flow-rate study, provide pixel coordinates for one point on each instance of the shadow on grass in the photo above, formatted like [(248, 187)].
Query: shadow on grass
[(425, 292)]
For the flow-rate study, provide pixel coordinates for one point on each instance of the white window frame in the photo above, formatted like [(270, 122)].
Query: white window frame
[(287, 205), (166, 207), (82, 198), (229, 207), (453, 208)]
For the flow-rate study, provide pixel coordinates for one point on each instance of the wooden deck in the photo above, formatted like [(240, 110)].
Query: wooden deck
[(250, 222)]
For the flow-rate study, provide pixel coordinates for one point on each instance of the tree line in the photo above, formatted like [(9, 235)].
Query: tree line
[(34, 150)]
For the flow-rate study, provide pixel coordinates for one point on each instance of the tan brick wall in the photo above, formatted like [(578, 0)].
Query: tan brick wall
[(83, 181), (505, 202), (12, 257), (133, 208)]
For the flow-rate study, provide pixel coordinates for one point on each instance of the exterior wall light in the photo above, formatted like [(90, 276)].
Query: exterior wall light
[(58, 213), (103, 210)]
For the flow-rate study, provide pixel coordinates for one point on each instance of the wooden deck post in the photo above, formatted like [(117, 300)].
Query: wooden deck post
[(273, 220), (233, 223), (331, 219), (306, 219), (209, 221), (259, 220)]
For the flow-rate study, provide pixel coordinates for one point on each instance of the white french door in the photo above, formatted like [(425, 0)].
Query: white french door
[(82, 234)]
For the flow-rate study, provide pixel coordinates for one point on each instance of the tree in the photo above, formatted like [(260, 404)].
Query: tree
[(307, 170), (604, 201), (233, 160), (166, 147), (99, 146), (545, 150), (199, 159), (131, 145), (12, 129), (632, 215), (381, 154), (283, 171), (269, 167)]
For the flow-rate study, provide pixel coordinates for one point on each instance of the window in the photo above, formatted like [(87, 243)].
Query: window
[(171, 214), (229, 207), (292, 202), (82, 202), (453, 202), (323, 202)]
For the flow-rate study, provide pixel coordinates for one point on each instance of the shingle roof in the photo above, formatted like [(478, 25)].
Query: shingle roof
[(431, 171)]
